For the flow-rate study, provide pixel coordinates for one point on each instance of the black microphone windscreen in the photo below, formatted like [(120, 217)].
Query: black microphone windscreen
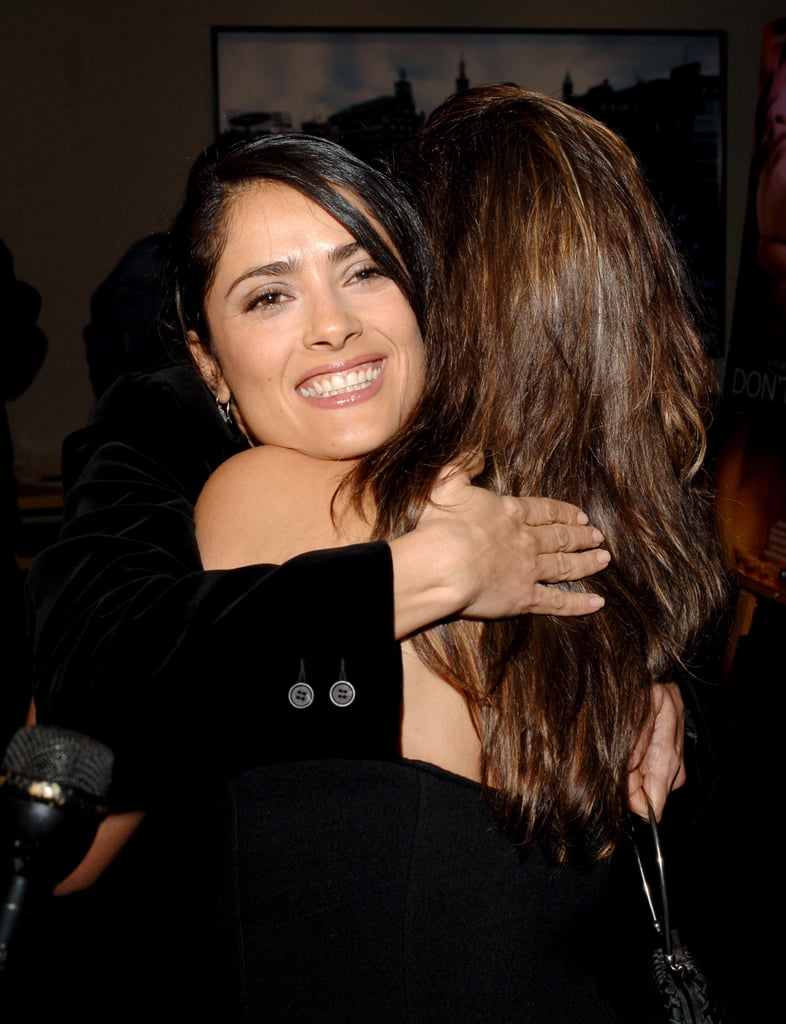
[(50, 753), (54, 784)]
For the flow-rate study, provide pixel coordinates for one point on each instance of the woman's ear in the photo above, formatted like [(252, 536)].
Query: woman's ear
[(208, 366)]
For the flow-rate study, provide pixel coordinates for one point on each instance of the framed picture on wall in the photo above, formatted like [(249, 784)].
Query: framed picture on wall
[(370, 89)]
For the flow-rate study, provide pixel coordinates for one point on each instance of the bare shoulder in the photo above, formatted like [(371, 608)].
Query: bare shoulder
[(268, 467), (265, 474), (266, 504)]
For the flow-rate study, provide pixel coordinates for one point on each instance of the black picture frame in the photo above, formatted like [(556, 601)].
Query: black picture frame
[(664, 92)]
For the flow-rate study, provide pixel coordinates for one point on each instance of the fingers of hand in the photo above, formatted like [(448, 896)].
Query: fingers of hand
[(508, 562), (543, 511), (557, 567), (557, 553), (645, 789), (552, 601), (638, 801), (565, 537), (657, 764)]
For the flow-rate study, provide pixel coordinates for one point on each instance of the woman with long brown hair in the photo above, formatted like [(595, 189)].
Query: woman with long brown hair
[(564, 338), (563, 358)]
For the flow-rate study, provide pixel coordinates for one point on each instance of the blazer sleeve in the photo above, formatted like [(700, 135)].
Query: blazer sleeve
[(136, 645)]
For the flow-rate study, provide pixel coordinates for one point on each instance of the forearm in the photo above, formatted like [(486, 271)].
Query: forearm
[(160, 666)]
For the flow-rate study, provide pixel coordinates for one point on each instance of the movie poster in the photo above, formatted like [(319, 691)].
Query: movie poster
[(752, 463)]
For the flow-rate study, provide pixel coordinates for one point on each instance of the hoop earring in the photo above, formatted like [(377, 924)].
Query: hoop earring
[(224, 410)]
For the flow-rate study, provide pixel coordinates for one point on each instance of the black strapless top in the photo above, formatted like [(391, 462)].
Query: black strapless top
[(377, 891)]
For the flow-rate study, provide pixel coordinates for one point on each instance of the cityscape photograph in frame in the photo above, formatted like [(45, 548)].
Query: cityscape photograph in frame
[(664, 92)]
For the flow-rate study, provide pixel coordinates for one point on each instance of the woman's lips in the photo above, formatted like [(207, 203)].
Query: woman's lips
[(343, 381)]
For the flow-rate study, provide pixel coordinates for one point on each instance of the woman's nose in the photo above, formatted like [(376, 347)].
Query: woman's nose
[(333, 322)]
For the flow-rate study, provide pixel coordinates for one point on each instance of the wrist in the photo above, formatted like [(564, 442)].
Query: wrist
[(426, 579)]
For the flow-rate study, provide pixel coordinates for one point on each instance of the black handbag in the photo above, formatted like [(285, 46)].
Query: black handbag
[(679, 990)]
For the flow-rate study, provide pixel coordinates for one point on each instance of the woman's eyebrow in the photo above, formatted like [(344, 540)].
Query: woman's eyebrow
[(274, 269), (293, 264)]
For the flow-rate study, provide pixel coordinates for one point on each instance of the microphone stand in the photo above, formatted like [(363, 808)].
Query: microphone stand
[(10, 914)]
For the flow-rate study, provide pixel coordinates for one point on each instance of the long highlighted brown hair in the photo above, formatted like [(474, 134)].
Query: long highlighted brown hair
[(563, 343)]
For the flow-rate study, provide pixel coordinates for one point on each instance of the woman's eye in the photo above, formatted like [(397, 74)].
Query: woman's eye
[(266, 300), (369, 273)]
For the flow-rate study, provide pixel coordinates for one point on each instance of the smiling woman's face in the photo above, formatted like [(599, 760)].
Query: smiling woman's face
[(318, 350)]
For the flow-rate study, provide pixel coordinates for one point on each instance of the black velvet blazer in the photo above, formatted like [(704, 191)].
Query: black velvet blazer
[(180, 670)]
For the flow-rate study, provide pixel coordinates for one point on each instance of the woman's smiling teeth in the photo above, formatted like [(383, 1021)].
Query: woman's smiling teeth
[(340, 383)]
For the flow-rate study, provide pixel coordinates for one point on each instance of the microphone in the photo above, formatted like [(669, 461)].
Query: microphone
[(54, 786)]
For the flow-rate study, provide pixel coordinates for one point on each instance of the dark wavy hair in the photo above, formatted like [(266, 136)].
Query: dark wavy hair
[(562, 342)]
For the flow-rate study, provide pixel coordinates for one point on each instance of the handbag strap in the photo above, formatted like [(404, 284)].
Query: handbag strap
[(660, 920)]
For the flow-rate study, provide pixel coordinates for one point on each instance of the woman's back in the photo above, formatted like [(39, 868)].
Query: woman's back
[(383, 891)]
